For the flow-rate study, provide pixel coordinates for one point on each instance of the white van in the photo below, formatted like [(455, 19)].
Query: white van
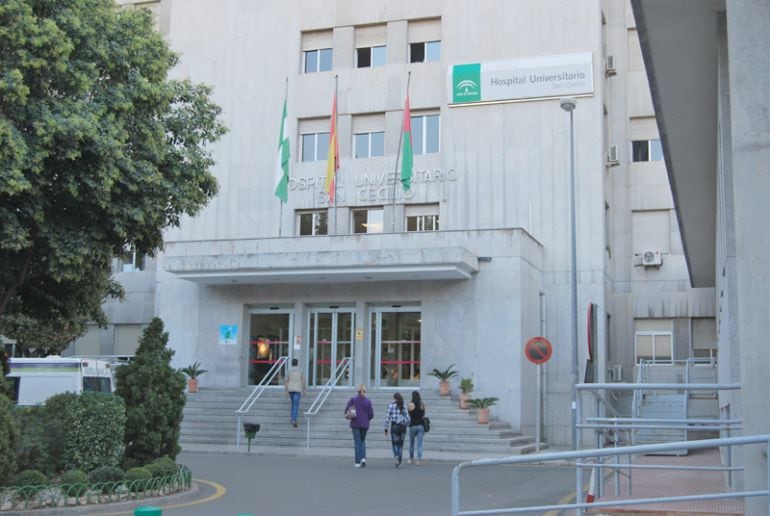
[(35, 380)]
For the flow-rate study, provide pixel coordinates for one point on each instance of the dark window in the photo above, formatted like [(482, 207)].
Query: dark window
[(370, 56), (424, 51), (312, 223), (417, 52), (96, 384)]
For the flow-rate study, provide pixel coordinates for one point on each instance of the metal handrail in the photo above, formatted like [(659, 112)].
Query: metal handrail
[(580, 455), (325, 391), (256, 393)]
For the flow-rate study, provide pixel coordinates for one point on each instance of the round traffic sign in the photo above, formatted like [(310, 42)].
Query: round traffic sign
[(538, 350)]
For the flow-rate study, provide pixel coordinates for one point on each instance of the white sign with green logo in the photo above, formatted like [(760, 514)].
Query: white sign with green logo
[(519, 79)]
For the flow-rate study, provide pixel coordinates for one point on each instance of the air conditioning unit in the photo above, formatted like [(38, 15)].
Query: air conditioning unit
[(609, 66), (612, 155), (652, 259)]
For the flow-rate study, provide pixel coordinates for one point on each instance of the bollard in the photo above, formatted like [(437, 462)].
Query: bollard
[(250, 429), (148, 511)]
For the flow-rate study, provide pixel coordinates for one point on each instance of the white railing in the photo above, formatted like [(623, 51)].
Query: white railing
[(330, 384), (279, 364), (581, 456)]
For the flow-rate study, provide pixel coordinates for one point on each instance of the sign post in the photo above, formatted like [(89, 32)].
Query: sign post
[(538, 350)]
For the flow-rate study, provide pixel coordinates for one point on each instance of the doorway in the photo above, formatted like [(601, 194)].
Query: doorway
[(330, 339), (395, 346), (269, 337)]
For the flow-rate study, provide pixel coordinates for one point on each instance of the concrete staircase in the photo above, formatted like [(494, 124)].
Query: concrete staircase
[(209, 418)]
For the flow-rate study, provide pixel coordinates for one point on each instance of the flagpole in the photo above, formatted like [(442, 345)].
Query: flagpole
[(398, 154), (280, 201), (337, 139)]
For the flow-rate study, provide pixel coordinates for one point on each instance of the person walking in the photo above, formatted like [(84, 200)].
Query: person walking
[(416, 410), (295, 388), (397, 418), (359, 411)]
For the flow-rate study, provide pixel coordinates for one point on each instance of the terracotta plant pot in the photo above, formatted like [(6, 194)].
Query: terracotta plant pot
[(443, 388), (464, 401), (192, 385), (482, 416)]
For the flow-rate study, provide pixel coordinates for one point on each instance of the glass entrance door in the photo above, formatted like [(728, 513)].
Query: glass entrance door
[(330, 341), (269, 339), (395, 347)]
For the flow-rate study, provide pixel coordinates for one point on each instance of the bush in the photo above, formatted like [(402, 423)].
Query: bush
[(154, 396), (29, 477), (32, 445), (136, 478), (88, 429), (162, 467), (74, 476), (8, 439), (106, 474)]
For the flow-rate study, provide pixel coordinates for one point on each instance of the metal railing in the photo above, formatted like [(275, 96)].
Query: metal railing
[(252, 398), (582, 455), (325, 391)]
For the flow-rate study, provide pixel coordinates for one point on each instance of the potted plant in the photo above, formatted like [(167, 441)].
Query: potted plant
[(482, 408), (193, 371), (443, 377), (466, 387)]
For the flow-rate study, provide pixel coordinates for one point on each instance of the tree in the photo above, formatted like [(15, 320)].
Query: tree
[(154, 396), (9, 433), (99, 151)]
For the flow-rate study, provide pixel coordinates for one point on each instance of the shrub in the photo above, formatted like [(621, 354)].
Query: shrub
[(106, 474), (29, 477), (136, 478), (74, 476), (88, 427), (8, 439), (162, 467), (154, 396), (33, 443)]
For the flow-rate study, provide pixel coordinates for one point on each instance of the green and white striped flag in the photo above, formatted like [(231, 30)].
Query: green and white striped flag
[(282, 160)]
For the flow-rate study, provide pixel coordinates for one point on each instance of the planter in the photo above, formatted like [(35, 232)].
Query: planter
[(443, 388), (192, 385), (464, 401), (482, 416)]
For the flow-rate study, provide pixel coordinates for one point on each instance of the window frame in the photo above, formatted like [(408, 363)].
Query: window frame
[(368, 145), (653, 335), (653, 150), (313, 223), (419, 148), (318, 60), (316, 155), (421, 212), (371, 50), (425, 52), (368, 210)]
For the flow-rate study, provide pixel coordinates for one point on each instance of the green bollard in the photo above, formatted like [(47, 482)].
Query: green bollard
[(148, 511)]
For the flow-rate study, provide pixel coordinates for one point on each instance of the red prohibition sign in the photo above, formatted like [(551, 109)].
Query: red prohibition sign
[(538, 350)]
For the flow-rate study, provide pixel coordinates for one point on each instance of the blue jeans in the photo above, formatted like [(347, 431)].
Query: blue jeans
[(397, 441), (294, 405), (416, 433), (359, 441)]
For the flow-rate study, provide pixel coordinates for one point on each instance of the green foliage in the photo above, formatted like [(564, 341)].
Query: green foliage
[(154, 396), (162, 467), (88, 430), (106, 474), (466, 385), (483, 402), (33, 443), (446, 374), (99, 151), (29, 477), (8, 438), (137, 477), (74, 476), (193, 370)]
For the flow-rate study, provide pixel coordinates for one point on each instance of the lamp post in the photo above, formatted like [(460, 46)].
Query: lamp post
[(569, 104)]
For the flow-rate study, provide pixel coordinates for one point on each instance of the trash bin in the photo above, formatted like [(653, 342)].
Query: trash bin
[(250, 429)]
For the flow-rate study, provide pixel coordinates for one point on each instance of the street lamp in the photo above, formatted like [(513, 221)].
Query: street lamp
[(569, 104)]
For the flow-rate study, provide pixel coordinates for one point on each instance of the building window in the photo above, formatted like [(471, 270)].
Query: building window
[(370, 56), (424, 51), (369, 220), (315, 146), (317, 60), (369, 145), (128, 261), (425, 133), (422, 217), (312, 222), (646, 150), (657, 347)]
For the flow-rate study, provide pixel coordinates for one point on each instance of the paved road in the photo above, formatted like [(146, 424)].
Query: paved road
[(319, 486)]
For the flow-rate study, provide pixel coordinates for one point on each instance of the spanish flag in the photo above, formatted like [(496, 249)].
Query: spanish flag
[(333, 160)]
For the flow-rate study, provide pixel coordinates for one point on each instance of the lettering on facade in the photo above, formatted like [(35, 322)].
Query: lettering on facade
[(374, 186)]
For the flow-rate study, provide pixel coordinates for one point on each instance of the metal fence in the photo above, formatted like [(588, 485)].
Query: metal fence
[(581, 456)]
